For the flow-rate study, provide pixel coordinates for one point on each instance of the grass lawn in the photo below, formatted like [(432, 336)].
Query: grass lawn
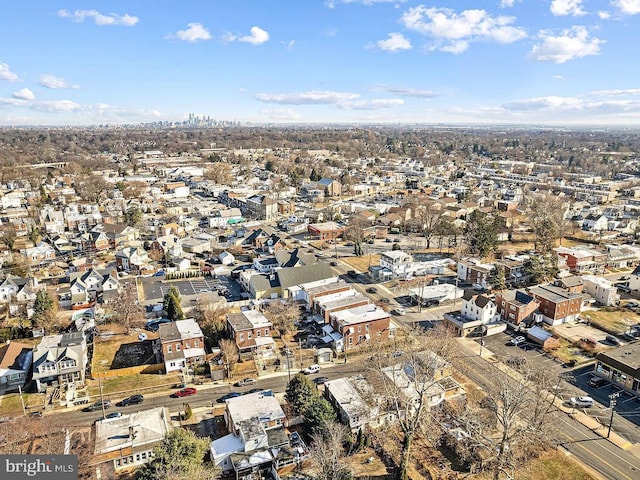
[(361, 264), (132, 383), (611, 319), (550, 466)]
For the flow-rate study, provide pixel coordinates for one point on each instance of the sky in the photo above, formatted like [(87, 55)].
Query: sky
[(537, 62)]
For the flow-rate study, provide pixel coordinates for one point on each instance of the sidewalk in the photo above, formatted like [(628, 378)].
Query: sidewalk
[(589, 422)]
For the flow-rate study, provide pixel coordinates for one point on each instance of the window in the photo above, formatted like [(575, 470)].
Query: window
[(266, 332), (257, 333), (172, 364), (359, 338), (169, 350), (242, 337), (196, 343), (366, 327), (188, 345), (249, 336), (350, 340), (359, 328), (177, 347)]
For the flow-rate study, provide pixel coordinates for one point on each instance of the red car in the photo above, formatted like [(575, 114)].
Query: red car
[(185, 392)]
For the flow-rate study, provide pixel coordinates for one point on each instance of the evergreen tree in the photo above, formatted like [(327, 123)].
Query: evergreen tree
[(300, 392), (172, 305)]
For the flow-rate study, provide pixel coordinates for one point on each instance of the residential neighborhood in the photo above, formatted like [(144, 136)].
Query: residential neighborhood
[(385, 299)]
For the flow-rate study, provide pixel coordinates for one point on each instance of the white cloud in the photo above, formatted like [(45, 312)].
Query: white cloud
[(453, 32), (373, 104), (508, 3), (570, 44), (99, 112), (289, 45), (604, 15), (312, 97), (24, 94), (627, 7), (53, 82), (567, 7), (575, 109), (99, 18), (410, 92), (194, 32), (615, 92), (6, 73), (395, 42), (558, 77), (258, 36)]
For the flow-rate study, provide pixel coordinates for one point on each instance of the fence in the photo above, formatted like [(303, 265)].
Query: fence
[(123, 372)]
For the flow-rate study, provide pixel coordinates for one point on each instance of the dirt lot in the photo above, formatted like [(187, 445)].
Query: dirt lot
[(115, 349), (551, 466), (367, 464), (612, 320), (361, 264)]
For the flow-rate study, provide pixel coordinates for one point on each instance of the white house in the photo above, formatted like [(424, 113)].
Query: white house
[(226, 258), (601, 289)]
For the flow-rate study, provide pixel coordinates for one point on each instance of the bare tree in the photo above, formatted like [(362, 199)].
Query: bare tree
[(407, 381), (513, 421), (212, 318), (92, 187), (220, 173), (126, 310), (230, 354), (428, 217), (282, 316), (327, 453), (356, 233), (546, 215)]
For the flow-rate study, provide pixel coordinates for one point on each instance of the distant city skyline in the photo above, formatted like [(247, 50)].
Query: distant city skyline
[(522, 62)]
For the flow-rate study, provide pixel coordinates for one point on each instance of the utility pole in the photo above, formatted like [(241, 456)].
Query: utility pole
[(101, 397), (24, 410), (612, 406)]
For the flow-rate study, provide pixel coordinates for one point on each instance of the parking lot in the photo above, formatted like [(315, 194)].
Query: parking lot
[(575, 384), (155, 289)]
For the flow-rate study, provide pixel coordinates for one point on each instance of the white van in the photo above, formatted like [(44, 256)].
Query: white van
[(315, 368)]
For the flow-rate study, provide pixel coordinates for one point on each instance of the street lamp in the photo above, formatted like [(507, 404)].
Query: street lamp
[(483, 331), (612, 406)]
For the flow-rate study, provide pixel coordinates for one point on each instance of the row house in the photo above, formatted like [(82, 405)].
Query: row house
[(621, 256), (584, 260), (516, 307), (324, 306), (356, 327), (94, 241), (556, 304), (257, 445), (180, 344), (514, 269), (472, 270), (119, 235), (262, 207), (60, 360), (15, 365), (251, 331), (41, 253)]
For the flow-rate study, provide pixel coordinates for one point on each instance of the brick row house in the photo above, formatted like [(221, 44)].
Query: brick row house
[(251, 331), (180, 344)]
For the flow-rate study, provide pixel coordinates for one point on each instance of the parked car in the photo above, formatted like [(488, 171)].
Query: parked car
[(581, 402), (400, 311), (385, 300), (372, 290), (244, 382), (254, 390), (311, 369), (320, 380), (519, 340), (97, 406), (228, 396), (597, 382), (612, 340), (132, 400), (185, 392), (333, 263), (114, 415)]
